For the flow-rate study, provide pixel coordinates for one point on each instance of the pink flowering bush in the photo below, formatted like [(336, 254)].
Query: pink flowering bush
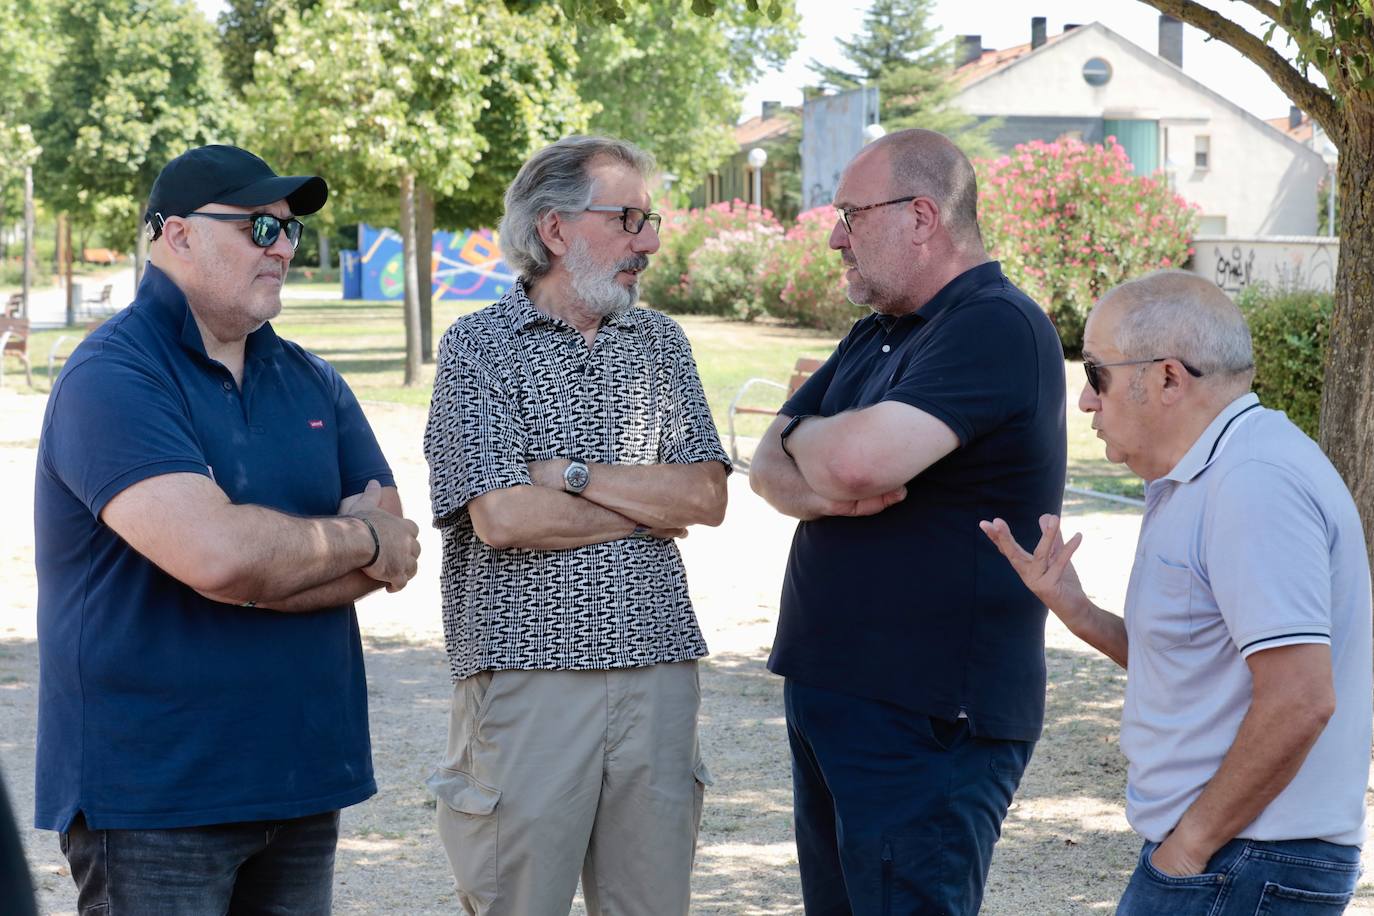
[(804, 279), (1069, 221), (723, 276), (668, 282)]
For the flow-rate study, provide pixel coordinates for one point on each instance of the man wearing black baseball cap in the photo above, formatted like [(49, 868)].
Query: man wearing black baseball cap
[(210, 502)]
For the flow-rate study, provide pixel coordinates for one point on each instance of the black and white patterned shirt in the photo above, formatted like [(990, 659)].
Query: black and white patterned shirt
[(515, 385)]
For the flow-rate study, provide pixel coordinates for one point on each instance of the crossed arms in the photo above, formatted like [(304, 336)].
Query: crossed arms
[(236, 554), (619, 498), (854, 463)]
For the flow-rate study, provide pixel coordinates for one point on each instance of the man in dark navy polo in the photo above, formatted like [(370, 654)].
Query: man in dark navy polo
[(914, 665), (210, 502)]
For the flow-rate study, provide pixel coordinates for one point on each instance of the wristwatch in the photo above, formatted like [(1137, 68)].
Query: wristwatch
[(788, 430), (576, 476)]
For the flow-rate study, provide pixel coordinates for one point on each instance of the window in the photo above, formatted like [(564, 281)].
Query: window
[(1202, 153), (1097, 72), (713, 188)]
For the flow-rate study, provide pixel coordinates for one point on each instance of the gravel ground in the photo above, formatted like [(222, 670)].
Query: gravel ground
[(1066, 847)]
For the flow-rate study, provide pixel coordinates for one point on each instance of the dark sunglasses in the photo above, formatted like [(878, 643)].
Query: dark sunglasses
[(1098, 384), (632, 218), (266, 227)]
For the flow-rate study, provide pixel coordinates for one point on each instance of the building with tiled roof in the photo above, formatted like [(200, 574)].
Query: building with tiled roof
[(773, 128), (1249, 177)]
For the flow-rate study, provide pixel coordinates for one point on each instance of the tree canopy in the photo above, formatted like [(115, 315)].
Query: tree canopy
[(137, 85), (26, 55), (674, 83)]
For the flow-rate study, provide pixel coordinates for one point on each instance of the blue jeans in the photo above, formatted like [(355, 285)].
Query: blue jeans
[(1250, 877), (258, 867), (896, 812)]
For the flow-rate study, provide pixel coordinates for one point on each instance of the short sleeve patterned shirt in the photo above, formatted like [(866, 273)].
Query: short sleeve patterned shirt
[(515, 385)]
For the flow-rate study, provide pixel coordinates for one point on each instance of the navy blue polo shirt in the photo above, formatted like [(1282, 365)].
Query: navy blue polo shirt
[(158, 707), (915, 606)]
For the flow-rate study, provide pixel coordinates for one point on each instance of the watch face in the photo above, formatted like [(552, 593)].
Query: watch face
[(576, 476)]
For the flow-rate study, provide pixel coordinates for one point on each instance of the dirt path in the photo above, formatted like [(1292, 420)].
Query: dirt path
[(1066, 847)]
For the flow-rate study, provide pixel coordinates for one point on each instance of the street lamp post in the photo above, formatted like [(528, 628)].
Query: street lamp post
[(757, 157)]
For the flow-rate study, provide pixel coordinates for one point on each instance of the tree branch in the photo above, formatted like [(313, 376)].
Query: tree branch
[(1311, 98), (1267, 8)]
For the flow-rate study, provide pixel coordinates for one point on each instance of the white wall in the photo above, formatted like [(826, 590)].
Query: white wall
[(1285, 263), (1259, 180)]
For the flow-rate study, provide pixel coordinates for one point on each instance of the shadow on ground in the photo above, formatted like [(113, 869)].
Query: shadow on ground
[(1065, 849)]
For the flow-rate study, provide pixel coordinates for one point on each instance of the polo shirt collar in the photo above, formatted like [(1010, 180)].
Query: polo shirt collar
[(169, 308), (1208, 445), (960, 288), (522, 313)]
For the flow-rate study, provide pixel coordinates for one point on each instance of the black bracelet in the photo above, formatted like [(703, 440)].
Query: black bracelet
[(787, 430), (376, 542)]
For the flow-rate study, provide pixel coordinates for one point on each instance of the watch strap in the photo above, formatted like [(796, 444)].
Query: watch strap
[(787, 430)]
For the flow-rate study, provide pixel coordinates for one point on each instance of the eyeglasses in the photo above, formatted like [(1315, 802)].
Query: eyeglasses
[(1098, 383), (266, 227), (632, 218), (845, 213)]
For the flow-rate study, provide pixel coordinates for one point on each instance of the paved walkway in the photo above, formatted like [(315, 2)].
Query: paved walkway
[(48, 305)]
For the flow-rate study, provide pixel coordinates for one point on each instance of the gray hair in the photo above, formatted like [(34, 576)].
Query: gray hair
[(556, 180), (1179, 314), (928, 163)]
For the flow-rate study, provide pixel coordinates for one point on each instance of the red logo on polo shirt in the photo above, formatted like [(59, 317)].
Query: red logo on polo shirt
[(317, 424)]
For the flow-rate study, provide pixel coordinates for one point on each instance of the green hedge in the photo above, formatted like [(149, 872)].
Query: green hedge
[(1289, 329)]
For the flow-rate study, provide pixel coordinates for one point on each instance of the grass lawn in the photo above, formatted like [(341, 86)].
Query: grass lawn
[(365, 341)]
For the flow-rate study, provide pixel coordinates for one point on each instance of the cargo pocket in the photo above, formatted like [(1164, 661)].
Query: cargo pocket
[(469, 829), (701, 778)]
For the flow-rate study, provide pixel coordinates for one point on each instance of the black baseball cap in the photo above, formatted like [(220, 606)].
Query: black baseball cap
[(222, 174)]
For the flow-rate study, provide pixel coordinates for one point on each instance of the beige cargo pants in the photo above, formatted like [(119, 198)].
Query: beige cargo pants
[(554, 773)]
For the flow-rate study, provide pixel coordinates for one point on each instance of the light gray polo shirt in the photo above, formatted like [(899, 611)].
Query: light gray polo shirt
[(1251, 542)]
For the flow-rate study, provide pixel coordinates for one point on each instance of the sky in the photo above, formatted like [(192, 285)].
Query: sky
[(1004, 23)]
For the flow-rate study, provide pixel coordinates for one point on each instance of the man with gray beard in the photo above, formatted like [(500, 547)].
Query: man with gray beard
[(569, 445)]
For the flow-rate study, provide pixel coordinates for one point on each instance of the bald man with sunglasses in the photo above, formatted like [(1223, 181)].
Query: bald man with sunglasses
[(1246, 630), (210, 502)]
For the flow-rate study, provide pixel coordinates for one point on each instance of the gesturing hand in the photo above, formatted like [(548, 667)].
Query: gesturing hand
[(1047, 572)]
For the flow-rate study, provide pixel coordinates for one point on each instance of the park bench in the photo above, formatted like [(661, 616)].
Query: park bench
[(800, 373), (99, 256), (14, 341), (54, 357), (102, 305), (15, 305)]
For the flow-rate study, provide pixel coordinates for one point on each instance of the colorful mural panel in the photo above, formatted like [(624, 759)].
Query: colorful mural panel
[(465, 265)]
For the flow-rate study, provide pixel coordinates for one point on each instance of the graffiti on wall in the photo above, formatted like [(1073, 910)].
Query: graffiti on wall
[(463, 265), (1234, 264)]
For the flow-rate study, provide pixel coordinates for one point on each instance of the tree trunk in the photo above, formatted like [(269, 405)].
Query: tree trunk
[(324, 250), (66, 268), (412, 284), (28, 237), (58, 257), (424, 252), (1347, 424), (140, 254)]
